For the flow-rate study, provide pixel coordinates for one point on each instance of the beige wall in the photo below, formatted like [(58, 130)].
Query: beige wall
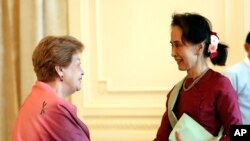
[(127, 62)]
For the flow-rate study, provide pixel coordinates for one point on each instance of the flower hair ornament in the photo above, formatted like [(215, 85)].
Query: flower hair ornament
[(212, 49)]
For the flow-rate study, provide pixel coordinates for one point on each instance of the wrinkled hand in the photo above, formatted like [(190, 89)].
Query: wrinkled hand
[(178, 136)]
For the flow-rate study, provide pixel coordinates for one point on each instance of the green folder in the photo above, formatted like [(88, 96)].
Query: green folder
[(190, 130)]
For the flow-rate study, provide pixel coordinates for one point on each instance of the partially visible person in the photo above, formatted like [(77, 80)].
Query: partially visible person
[(205, 95), (239, 75), (45, 114)]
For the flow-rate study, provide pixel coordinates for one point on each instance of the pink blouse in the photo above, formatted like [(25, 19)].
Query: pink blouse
[(46, 117)]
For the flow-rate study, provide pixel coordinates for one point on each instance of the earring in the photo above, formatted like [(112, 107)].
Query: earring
[(61, 78)]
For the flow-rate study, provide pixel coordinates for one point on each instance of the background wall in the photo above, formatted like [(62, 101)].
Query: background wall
[(127, 61)]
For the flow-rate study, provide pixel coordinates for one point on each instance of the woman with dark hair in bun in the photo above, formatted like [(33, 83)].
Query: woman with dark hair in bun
[(204, 94)]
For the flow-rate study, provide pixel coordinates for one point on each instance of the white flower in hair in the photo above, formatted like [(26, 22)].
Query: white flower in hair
[(213, 46)]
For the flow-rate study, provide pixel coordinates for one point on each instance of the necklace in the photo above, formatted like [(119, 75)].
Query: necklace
[(194, 82)]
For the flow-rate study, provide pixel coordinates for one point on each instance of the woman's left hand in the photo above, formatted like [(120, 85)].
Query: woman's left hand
[(178, 136)]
